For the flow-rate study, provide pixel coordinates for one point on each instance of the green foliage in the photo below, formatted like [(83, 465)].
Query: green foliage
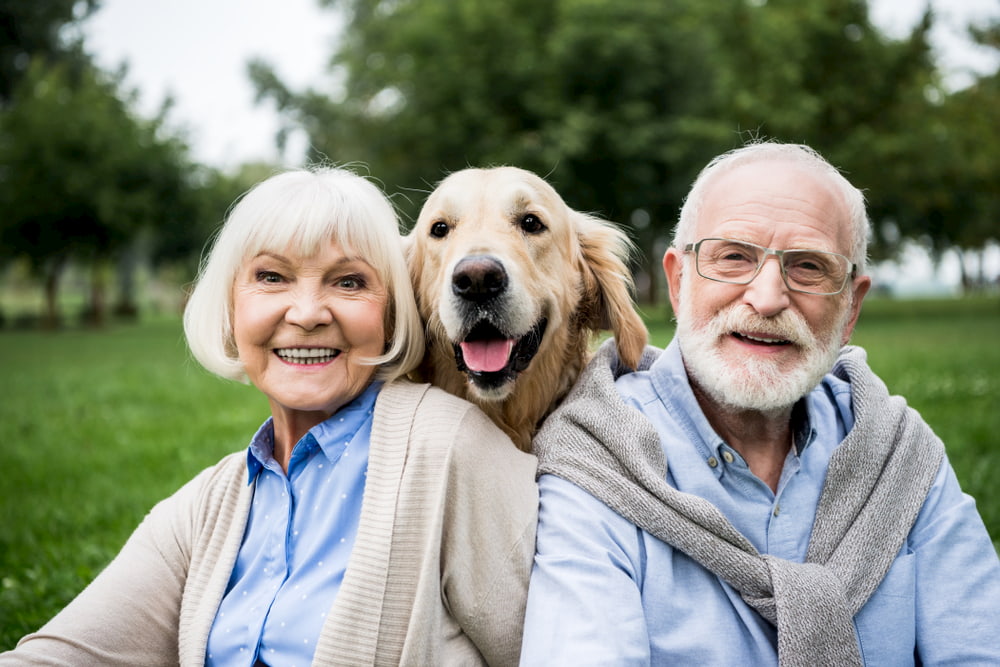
[(81, 177), (583, 90), (57, 186), (32, 31), (621, 103), (198, 213)]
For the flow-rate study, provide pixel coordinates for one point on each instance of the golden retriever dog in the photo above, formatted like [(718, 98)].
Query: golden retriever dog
[(513, 285)]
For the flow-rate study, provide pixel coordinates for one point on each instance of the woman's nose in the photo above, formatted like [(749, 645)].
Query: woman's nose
[(308, 310)]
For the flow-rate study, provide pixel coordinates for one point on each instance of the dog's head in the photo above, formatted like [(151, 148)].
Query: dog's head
[(507, 275)]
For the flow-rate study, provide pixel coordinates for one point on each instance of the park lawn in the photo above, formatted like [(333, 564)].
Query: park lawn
[(102, 424), (99, 426)]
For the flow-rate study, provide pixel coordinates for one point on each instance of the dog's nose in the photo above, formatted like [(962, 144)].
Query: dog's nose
[(478, 278)]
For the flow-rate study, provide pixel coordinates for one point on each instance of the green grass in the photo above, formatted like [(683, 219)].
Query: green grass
[(99, 425)]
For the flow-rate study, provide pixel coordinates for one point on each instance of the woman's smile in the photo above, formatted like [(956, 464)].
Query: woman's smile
[(307, 356)]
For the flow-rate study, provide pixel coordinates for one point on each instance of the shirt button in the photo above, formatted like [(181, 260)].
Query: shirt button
[(777, 510), (712, 461), (728, 456)]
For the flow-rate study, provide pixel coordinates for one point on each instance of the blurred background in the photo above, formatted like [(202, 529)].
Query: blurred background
[(128, 127)]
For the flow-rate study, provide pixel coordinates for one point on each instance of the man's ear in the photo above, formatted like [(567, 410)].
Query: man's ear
[(859, 288), (673, 261)]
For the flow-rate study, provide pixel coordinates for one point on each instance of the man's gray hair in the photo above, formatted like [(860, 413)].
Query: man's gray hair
[(762, 151)]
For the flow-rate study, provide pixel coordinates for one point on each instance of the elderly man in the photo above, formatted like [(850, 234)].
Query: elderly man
[(752, 495)]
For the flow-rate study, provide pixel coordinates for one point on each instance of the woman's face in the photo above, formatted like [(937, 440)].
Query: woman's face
[(302, 327)]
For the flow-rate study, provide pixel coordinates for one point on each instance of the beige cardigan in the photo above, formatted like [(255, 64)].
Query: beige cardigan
[(438, 575)]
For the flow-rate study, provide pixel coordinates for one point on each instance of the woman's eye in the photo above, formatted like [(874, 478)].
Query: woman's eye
[(268, 277), (351, 282)]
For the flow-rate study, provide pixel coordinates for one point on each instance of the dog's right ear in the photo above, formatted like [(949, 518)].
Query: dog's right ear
[(608, 285)]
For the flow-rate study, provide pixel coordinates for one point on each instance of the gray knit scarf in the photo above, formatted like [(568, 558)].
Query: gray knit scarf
[(876, 484)]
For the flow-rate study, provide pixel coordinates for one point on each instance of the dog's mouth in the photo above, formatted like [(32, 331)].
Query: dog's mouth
[(491, 358)]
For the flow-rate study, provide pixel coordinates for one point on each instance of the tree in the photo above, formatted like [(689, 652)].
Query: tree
[(820, 73), (32, 30), (607, 115), (955, 203), (80, 175), (197, 216), (617, 103)]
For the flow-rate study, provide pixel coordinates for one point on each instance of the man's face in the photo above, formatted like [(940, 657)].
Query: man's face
[(761, 346)]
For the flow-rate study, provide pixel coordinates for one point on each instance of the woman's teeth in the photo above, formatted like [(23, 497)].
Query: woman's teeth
[(307, 355)]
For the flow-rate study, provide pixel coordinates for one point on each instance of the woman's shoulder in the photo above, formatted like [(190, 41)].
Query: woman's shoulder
[(444, 420), (217, 485), (422, 401)]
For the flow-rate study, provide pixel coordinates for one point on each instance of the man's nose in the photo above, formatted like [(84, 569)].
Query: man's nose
[(767, 293)]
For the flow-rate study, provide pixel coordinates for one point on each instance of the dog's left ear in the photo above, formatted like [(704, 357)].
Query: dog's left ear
[(608, 286)]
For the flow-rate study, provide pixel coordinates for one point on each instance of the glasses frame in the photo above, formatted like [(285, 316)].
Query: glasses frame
[(694, 248)]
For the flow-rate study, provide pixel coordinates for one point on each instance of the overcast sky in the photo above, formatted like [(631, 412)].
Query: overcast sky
[(197, 50)]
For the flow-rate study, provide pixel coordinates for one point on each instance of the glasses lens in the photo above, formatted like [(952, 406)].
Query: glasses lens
[(815, 271), (728, 261), (809, 271)]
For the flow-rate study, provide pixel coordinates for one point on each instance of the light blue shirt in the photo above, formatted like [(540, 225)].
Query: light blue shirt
[(604, 592), (299, 536)]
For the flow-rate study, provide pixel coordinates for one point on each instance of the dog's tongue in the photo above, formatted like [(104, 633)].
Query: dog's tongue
[(486, 356)]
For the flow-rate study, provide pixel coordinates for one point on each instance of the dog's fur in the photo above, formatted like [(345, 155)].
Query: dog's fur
[(500, 265)]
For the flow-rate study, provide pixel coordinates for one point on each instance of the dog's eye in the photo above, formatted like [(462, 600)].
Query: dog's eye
[(439, 229), (532, 224)]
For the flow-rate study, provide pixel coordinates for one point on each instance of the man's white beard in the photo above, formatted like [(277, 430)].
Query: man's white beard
[(748, 383)]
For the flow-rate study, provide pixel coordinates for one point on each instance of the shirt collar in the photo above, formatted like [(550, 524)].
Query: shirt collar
[(671, 382), (332, 435)]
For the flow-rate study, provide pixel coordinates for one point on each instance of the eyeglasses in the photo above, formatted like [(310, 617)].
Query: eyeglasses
[(738, 262)]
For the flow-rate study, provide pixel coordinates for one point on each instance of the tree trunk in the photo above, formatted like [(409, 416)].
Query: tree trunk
[(96, 314), (50, 320), (126, 305)]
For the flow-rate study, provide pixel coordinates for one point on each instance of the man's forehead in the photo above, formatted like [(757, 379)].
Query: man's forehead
[(769, 174), (773, 191)]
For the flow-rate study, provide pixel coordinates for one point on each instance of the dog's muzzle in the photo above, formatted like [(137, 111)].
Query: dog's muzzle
[(491, 356), (491, 359)]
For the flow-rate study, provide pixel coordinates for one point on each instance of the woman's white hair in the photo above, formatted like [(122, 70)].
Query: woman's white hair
[(773, 151), (301, 210)]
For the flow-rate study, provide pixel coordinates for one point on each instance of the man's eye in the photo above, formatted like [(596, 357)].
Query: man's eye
[(806, 265)]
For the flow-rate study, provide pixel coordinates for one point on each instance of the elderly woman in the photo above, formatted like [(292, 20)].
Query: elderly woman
[(370, 521)]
